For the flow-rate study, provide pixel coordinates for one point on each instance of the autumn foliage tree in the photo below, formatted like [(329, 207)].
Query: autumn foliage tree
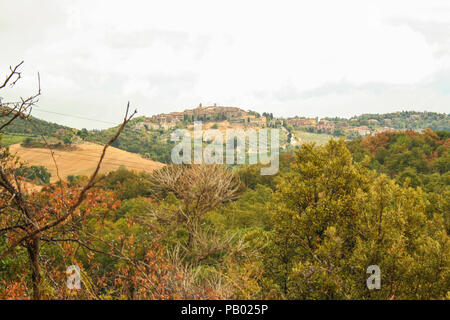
[(26, 220)]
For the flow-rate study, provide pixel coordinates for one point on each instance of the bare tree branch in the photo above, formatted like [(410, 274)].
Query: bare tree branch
[(13, 73), (81, 196), (20, 109)]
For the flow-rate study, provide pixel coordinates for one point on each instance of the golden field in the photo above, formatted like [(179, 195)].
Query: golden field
[(83, 160)]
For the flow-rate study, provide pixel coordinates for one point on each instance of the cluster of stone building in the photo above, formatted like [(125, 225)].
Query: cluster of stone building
[(326, 126), (209, 113)]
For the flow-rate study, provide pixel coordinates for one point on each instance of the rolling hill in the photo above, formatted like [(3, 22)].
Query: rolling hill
[(83, 160)]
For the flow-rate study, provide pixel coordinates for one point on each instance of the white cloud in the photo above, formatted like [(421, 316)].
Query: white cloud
[(276, 56)]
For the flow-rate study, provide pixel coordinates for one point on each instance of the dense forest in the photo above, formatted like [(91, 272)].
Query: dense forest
[(408, 120), (205, 231)]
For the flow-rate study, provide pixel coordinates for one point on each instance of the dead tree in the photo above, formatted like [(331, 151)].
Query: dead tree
[(200, 188)]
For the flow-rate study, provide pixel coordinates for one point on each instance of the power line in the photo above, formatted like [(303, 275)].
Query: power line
[(71, 115), (39, 108)]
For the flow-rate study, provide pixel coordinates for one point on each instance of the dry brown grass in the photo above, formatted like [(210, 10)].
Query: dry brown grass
[(83, 160)]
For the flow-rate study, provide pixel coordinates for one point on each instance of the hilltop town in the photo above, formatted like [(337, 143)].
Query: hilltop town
[(357, 126), (209, 113)]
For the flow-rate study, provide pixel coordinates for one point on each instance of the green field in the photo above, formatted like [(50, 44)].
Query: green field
[(8, 139), (319, 139)]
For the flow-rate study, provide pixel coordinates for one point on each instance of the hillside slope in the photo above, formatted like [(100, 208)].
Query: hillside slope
[(32, 126), (83, 160)]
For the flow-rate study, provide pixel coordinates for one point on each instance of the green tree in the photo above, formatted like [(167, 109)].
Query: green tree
[(333, 218)]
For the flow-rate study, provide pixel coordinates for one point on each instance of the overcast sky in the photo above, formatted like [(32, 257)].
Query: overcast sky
[(308, 58)]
